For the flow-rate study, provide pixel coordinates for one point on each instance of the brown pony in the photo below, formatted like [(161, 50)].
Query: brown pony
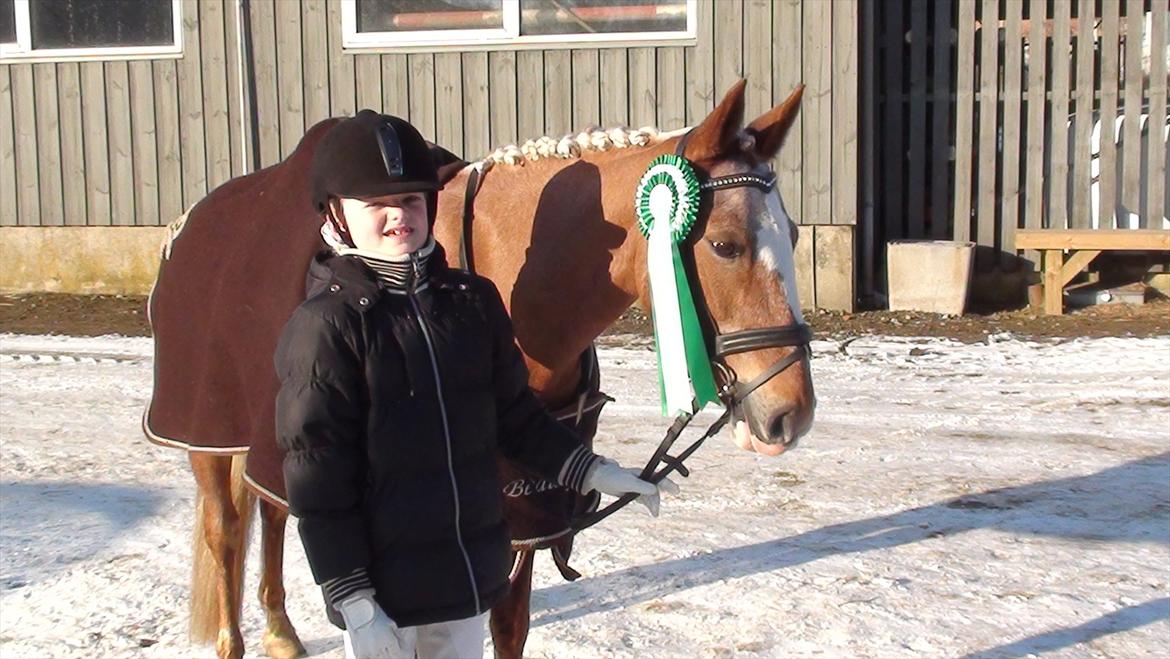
[(554, 228)]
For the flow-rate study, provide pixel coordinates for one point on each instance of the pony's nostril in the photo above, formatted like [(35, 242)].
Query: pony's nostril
[(776, 428)]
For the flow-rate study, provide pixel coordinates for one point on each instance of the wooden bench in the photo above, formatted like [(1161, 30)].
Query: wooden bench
[(1083, 245)]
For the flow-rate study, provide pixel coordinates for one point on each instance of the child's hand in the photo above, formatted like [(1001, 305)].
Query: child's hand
[(611, 478), (371, 632)]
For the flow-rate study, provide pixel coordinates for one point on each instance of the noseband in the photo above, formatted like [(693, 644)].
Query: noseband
[(732, 393)]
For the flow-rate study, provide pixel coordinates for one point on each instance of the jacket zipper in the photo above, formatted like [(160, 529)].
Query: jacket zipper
[(446, 432)]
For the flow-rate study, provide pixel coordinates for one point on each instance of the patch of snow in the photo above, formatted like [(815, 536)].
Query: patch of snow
[(998, 499)]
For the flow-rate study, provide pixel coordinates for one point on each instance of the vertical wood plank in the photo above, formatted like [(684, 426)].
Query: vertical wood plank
[(122, 210), (449, 101), (191, 118), (1012, 93), (1058, 119), (213, 57), (8, 208), (964, 118), (342, 98), (728, 45), (476, 113), (642, 86), (1107, 159), (264, 65), (48, 145), (289, 90), (916, 161), (367, 74), (806, 267), (1083, 122), (168, 159), (422, 92), (1155, 211), (1131, 127), (988, 122), (502, 94), (144, 132), (96, 142), (615, 92), (24, 112), (868, 230), (845, 112), (315, 61), (757, 52), (940, 136), (396, 85), (239, 145), (787, 73), (671, 103), (1034, 206), (892, 181), (833, 252), (73, 142), (586, 89), (530, 95), (817, 108), (558, 94), (700, 65)]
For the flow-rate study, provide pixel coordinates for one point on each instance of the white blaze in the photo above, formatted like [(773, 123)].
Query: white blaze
[(774, 248)]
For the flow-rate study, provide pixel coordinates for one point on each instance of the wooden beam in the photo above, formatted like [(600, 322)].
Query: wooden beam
[(1126, 239), (1053, 291), (1075, 264)]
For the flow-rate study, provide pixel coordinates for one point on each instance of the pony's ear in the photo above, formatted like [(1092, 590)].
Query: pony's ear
[(717, 135), (770, 128)]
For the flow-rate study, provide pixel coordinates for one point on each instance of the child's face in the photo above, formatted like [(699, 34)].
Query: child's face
[(392, 224)]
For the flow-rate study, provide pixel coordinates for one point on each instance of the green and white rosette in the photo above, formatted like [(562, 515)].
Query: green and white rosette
[(666, 203)]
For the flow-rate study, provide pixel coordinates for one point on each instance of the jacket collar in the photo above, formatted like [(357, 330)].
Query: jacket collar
[(354, 280)]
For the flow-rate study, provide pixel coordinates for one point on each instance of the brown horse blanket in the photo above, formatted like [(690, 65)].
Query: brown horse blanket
[(231, 274)]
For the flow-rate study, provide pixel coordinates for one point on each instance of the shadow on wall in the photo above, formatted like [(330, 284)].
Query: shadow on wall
[(1077, 508)]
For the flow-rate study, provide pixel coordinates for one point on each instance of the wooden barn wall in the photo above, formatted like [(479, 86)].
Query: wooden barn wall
[(136, 142), (979, 118), (473, 102), (98, 143)]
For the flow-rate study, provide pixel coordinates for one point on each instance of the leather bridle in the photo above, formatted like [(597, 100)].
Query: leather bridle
[(731, 392)]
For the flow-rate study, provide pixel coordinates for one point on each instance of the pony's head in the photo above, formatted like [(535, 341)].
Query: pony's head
[(741, 263)]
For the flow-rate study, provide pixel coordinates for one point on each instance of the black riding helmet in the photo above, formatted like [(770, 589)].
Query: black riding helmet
[(373, 154)]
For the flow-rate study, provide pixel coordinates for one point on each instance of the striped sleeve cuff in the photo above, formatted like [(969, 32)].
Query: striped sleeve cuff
[(576, 467), (339, 588)]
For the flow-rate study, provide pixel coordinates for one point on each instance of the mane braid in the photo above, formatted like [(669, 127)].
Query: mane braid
[(574, 145)]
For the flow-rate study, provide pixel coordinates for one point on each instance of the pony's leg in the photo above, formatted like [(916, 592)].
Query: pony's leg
[(509, 621), (280, 639), (220, 557)]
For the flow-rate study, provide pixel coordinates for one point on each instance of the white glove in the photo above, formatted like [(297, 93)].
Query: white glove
[(371, 632), (611, 478)]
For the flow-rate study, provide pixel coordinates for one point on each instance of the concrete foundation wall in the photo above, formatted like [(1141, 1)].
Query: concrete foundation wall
[(107, 260)]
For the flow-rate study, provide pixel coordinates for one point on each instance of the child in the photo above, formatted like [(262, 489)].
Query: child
[(400, 380)]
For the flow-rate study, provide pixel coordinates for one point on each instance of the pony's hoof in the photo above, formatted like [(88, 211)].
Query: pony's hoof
[(283, 646), (229, 645)]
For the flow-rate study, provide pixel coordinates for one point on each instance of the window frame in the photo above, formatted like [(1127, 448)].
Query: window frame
[(508, 37), (21, 50)]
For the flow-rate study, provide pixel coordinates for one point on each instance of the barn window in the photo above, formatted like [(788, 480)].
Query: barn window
[(89, 29), (435, 24)]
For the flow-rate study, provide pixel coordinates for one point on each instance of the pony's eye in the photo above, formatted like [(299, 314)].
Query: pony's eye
[(726, 250)]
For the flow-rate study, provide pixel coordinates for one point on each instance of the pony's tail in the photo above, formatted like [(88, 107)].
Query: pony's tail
[(204, 627)]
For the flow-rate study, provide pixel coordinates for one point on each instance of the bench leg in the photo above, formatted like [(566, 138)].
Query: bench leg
[(1053, 291)]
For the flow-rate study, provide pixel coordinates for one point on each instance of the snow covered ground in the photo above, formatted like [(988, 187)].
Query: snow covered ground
[(1000, 499)]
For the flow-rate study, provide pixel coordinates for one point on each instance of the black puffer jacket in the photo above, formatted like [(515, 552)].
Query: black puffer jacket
[(390, 410)]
